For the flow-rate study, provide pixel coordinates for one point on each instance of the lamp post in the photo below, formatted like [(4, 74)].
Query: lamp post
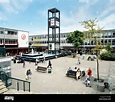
[(96, 57)]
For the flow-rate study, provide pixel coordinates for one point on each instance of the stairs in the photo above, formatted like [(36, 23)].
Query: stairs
[(14, 91), (3, 88)]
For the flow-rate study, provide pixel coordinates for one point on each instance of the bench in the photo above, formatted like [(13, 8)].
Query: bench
[(71, 73), (41, 69)]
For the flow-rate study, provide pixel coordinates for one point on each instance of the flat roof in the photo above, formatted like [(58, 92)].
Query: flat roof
[(53, 10), (13, 29)]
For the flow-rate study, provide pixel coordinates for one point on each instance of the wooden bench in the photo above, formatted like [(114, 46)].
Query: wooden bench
[(41, 69), (71, 73)]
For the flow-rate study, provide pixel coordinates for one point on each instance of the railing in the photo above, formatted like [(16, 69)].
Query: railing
[(14, 83)]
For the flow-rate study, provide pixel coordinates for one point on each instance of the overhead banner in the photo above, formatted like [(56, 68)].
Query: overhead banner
[(23, 39)]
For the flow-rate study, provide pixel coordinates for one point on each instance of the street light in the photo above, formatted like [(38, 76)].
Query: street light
[(95, 36)]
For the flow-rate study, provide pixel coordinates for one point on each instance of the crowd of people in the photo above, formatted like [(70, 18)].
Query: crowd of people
[(79, 74)]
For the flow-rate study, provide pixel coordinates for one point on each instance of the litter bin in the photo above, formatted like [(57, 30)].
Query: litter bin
[(49, 70)]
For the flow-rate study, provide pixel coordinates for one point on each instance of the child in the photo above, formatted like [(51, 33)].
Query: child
[(87, 82)]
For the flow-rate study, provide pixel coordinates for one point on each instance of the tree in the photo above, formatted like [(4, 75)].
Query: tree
[(108, 47), (93, 29), (76, 38)]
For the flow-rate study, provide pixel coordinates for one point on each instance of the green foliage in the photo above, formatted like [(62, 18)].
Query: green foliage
[(108, 47), (93, 30), (90, 24), (108, 56), (76, 38), (2, 52)]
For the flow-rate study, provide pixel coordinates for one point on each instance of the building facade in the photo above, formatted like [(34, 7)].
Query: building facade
[(39, 42), (14, 41), (102, 38)]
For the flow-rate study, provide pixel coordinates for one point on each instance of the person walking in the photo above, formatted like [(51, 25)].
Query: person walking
[(28, 74), (89, 73), (23, 64), (44, 59), (78, 61), (49, 64), (49, 67), (36, 61)]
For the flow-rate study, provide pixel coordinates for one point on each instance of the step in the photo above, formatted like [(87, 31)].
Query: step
[(2, 86), (3, 90), (14, 91), (1, 83)]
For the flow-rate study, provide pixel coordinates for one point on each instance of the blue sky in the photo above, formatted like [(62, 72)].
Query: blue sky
[(31, 15)]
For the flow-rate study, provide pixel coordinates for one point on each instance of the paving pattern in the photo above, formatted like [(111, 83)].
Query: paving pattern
[(57, 82)]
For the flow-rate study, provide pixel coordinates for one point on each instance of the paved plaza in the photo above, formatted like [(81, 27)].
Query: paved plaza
[(57, 82)]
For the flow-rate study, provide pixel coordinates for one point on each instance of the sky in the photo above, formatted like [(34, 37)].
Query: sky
[(32, 15)]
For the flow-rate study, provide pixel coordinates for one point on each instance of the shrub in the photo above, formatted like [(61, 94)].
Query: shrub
[(107, 56)]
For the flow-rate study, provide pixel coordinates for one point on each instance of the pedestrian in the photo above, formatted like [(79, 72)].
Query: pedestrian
[(44, 59), (78, 74), (28, 74), (69, 68), (36, 62), (49, 64), (89, 73), (75, 69), (29, 60), (36, 66), (78, 61), (87, 82), (23, 64)]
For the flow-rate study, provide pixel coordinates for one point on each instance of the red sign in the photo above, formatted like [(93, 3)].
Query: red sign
[(23, 36)]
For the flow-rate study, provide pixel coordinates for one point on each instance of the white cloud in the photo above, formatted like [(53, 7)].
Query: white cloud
[(12, 6), (42, 12), (71, 28), (4, 1), (112, 1), (108, 22), (1, 18), (84, 1), (107, 11), (71, 22)]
